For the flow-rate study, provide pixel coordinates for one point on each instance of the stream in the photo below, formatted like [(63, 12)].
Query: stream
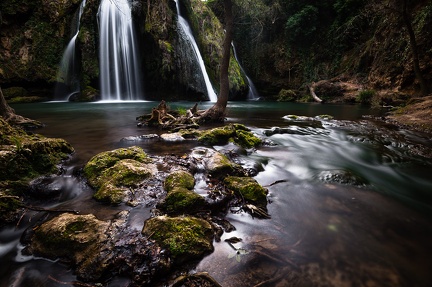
[(350, 197)]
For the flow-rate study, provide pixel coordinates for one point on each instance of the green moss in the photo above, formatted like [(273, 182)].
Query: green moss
[(365, 97), (236, 133), (108, 192), (248, 188), (107, 159), (112, 173), (217, 135), (182, 201), (187, 238), (179, 178), (287, 96)]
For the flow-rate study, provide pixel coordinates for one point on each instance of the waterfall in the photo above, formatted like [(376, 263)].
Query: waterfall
[(253, 93), (120, 77), (68, 73), (184, 25)]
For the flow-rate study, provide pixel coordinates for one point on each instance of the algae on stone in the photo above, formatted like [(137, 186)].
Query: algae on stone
[(179, 178), (236, 133), (114, 173), (187, 238), (248, 188), (182, 201)]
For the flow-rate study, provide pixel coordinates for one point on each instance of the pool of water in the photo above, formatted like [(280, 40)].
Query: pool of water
[(350, 199)]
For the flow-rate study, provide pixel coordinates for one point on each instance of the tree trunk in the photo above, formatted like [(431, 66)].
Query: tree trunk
[(5, 111), (217, 111), (414, 51), (9, 115)]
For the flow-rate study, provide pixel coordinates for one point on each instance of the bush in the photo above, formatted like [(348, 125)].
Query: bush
[(365, 97)]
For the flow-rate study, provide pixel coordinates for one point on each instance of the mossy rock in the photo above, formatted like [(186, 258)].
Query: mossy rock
[(187, 238), (249, 189), (25, 157), (182, 201), (179, 178), (70, 236), (107, 159), (111, 193), (115, 173), (287, 96), (236, 133), (218, 166)]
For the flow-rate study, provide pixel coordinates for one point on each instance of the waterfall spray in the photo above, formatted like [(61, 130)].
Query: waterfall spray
[(120, 77), (184, 25)]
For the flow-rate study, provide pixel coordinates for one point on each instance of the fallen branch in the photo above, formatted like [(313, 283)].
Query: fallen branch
[(37, 208), (312, 92)]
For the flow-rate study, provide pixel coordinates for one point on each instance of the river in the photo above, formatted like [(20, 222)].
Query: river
[(350, 198)]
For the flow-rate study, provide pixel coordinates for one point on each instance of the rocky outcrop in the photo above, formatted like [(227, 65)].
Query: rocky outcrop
[(24, 157), (115, 174), (32, 37)]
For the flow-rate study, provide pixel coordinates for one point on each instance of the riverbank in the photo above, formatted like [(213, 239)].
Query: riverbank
[(416, 115)]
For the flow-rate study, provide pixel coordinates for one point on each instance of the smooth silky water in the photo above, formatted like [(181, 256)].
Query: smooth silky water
[(349, 199)]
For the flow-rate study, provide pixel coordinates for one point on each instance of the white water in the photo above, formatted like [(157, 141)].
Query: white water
[(118, 55), (253, 93), (67, 72), (187, 30)]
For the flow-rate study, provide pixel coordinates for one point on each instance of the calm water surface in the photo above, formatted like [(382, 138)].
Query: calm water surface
[(350, 199)]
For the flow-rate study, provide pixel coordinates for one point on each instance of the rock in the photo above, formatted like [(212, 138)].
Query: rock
[(197, 279), (100, 248), (173, 137), (237, 133), (249, 189), (187, 238), (73, 237), (140, 138), (182, 201), (179, 178), (215, 164), (114, 173)]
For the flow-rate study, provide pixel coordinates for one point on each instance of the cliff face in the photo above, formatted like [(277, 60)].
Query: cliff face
[(32, 37)]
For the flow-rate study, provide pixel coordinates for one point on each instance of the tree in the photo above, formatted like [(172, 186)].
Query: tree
[(9, 115), (217, 111), (414, 50)]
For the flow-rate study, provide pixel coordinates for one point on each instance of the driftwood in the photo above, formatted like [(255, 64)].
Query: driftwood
[(165, 118), (312, 92)]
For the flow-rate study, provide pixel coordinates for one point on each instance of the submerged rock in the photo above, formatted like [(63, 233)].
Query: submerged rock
[(186, 238)]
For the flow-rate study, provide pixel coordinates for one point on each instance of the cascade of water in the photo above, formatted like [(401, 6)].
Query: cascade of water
[(253, 93), (118, 56), (188, 31), (68, 70)]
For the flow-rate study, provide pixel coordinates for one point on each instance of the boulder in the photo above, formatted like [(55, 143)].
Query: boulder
[(186, 238), (115, 173), (248, 189)]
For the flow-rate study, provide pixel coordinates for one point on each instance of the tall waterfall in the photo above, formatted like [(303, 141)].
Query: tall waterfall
[(120, 77), (68, 73), (184, 25), (253, 93)]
